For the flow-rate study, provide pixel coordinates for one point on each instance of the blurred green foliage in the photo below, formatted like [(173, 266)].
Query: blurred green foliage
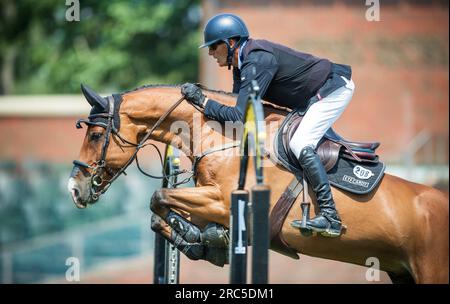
[(116, 45)]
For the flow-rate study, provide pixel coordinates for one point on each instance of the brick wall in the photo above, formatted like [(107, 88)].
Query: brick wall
[(44, 139)]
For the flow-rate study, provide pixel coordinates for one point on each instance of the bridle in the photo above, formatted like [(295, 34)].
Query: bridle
[(100, 165)]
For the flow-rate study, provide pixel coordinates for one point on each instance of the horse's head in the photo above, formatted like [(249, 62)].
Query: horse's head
[(105, 153), (145, 113)]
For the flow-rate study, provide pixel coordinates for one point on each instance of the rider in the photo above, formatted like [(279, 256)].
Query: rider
[(287, 78)]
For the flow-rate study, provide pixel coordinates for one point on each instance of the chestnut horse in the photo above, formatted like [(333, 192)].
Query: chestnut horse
[(403, 224)]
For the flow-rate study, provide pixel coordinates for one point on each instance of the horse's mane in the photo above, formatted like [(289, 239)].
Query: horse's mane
[(267, 105), (147, 86)]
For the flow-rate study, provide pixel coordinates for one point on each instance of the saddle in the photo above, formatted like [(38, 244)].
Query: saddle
[(329, 148), (351, 166)]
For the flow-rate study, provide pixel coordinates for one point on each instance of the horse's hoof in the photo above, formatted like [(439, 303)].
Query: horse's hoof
[(156, 223), (217, 256), (155, 202), (215, 235)]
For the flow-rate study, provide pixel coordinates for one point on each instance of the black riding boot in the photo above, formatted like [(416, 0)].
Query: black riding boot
[(327, 222)]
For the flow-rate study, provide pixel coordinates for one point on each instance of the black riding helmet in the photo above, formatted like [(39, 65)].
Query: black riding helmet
[(223, 27)]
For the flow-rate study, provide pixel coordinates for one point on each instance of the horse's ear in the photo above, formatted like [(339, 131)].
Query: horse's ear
[(93, 98)]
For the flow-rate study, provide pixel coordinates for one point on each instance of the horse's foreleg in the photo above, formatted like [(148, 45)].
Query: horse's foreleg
[(204, 203), (184, 233), (190, 232)]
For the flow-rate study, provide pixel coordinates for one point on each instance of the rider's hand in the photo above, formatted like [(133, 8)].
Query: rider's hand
[(193, 94)]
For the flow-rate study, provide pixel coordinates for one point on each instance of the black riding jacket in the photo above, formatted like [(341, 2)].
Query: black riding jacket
[(286, 77)]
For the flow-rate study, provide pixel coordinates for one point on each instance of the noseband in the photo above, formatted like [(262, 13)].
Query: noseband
[(100, 165)]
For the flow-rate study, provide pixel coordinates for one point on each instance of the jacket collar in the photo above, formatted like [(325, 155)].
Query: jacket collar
[(241, 54)]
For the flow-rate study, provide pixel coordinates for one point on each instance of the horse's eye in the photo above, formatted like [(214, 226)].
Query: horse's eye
[(95, 136)]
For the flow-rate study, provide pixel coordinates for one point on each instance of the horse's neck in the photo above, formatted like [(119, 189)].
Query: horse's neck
[(148, 105)]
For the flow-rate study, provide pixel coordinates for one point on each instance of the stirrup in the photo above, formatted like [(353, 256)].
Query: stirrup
[(305, 230), (302, 224)]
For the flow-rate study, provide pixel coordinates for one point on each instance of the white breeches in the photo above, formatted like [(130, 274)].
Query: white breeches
[(320, 117)]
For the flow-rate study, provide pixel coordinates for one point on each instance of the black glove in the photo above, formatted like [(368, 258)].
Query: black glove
[(193, 94)]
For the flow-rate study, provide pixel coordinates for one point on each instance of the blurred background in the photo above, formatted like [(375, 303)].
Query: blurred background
[(400, 67)]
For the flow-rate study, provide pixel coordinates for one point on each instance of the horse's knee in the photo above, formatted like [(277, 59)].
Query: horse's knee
[(157, 202)]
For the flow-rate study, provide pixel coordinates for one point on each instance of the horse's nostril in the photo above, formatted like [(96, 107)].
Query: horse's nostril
[(76, 192), (75, 195)]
